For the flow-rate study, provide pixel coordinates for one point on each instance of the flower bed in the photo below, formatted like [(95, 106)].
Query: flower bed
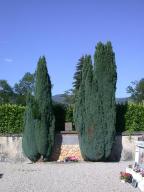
[(71, 159), (127, 177)]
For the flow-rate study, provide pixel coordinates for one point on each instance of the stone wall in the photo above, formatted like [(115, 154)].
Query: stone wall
[(10, 149), (124, 148), (66, 144)]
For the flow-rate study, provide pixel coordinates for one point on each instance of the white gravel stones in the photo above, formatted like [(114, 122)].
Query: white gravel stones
[(63, 177)]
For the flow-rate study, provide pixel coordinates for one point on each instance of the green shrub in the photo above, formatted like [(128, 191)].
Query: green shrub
[(11, 118), (130, 117), (69, 114)]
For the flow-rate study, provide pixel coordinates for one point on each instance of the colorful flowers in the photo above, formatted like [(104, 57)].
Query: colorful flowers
[(71, 159), (127, 177)]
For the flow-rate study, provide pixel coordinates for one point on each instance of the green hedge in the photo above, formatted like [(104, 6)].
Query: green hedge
[(69, 114), (11, 119), (130, 117)]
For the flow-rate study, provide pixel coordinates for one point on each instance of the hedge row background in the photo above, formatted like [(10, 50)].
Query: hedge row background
[(11, 118), (130, 117)]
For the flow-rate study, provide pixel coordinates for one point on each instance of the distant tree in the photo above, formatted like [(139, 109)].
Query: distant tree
[(25, 85), (69, 97), (45, 123), (136, 90), (6, 92), (69, 114)]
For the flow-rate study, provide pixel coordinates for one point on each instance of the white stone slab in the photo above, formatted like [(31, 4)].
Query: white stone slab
[(137, 177), (139, 143)]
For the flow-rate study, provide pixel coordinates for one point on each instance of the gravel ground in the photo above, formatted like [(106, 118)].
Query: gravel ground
[(59, 177)]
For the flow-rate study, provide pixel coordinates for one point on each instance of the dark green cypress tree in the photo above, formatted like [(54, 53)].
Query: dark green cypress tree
[(85, 93), (106, 76), (83, 103), (28, 140), (77, 94), (45, 122), (95, 104)]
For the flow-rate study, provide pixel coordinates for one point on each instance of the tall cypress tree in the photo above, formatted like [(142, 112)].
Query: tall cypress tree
[(28, 141), (85, 95), (95, 104), (45, 119), (83, 106), (106, 76)]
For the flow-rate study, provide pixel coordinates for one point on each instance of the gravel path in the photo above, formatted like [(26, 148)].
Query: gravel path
[(69, 177)]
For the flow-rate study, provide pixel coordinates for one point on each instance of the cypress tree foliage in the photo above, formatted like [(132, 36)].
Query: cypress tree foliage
[(85, 93), (83, 107), (105, 78), (95, 104), (28, 140), (78, 74), (78, 89), (45, 121)]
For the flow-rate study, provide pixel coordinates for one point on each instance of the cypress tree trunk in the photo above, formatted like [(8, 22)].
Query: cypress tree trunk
[(28, 140), (45, 122)]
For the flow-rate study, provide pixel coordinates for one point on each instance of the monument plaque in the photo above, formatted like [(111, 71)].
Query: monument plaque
[(139, 153), (68, 126)]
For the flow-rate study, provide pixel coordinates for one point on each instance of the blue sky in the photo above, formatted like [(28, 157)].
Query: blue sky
[(64, 30)]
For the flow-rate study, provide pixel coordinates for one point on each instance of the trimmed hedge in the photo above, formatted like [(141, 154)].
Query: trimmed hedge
[(130, 117), (11, 119), (69, 114)]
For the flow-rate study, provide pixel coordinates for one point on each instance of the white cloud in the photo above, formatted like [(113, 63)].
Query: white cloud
[(8, 60)]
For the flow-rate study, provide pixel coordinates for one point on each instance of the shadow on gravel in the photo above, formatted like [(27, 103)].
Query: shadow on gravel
[(1, 175)]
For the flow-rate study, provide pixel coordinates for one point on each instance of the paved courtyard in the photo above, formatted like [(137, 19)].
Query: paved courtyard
[(68, 177)]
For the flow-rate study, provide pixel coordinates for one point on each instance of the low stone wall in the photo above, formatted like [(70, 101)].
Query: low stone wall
[(124, 148), (66, 144), (11, 149)]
